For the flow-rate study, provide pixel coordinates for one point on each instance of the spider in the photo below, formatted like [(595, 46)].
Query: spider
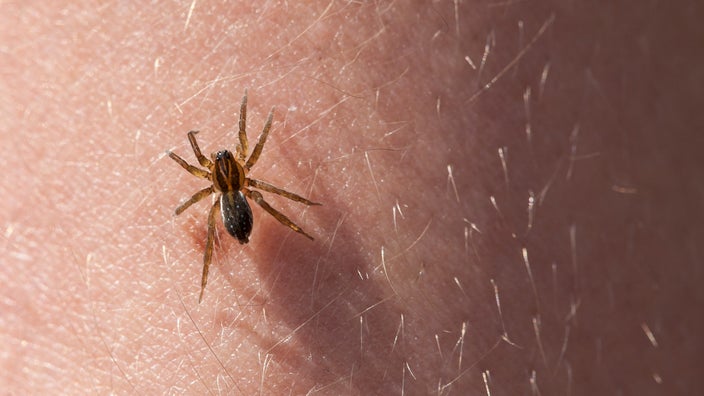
[(228, 175)]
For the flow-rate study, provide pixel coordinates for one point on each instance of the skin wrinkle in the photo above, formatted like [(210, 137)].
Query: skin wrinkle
[(400, 293)]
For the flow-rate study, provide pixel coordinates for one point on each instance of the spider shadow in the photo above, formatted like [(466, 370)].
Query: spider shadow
[(338, 319)]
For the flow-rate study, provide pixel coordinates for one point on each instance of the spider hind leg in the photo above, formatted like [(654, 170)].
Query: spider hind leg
[(208, 255), (259, 199)]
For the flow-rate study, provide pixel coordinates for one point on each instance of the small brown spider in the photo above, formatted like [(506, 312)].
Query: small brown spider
[(228, 174)]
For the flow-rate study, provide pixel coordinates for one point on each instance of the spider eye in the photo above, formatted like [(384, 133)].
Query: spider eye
[(223, 155)]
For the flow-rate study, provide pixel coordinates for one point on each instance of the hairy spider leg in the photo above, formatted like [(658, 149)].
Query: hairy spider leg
[(260, 144), (194, 199), (264, 186), (203, 160), (196, 172), (203, 174), (208, 255), (242, 148), (257, 197)]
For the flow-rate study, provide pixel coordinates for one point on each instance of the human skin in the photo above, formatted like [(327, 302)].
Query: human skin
[(393, 116)]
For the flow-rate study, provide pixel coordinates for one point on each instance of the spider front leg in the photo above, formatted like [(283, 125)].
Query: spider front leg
[(203, 160), (242, 148), (260, 143), (257, 197), (203, 174), (208, 255)]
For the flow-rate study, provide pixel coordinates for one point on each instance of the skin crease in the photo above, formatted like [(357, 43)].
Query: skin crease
[(383, 115)]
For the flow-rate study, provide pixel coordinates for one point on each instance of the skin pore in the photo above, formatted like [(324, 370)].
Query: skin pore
[(508, 195)]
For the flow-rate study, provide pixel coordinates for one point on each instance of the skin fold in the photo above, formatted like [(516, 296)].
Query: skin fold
[(510, 194)]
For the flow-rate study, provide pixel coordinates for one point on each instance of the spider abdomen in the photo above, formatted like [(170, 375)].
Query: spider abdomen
[(236, 215)]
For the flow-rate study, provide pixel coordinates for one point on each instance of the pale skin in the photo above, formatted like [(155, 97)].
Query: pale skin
[(509, 218)]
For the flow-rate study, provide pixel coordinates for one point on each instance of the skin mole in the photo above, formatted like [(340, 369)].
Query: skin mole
[(227, 173)]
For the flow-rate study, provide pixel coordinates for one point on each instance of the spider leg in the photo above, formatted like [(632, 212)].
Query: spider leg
[(203, 160), (195, 198), (260, 144), (207, 257), (273, 189), (203, 174), (242, 148), (257, 197)]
